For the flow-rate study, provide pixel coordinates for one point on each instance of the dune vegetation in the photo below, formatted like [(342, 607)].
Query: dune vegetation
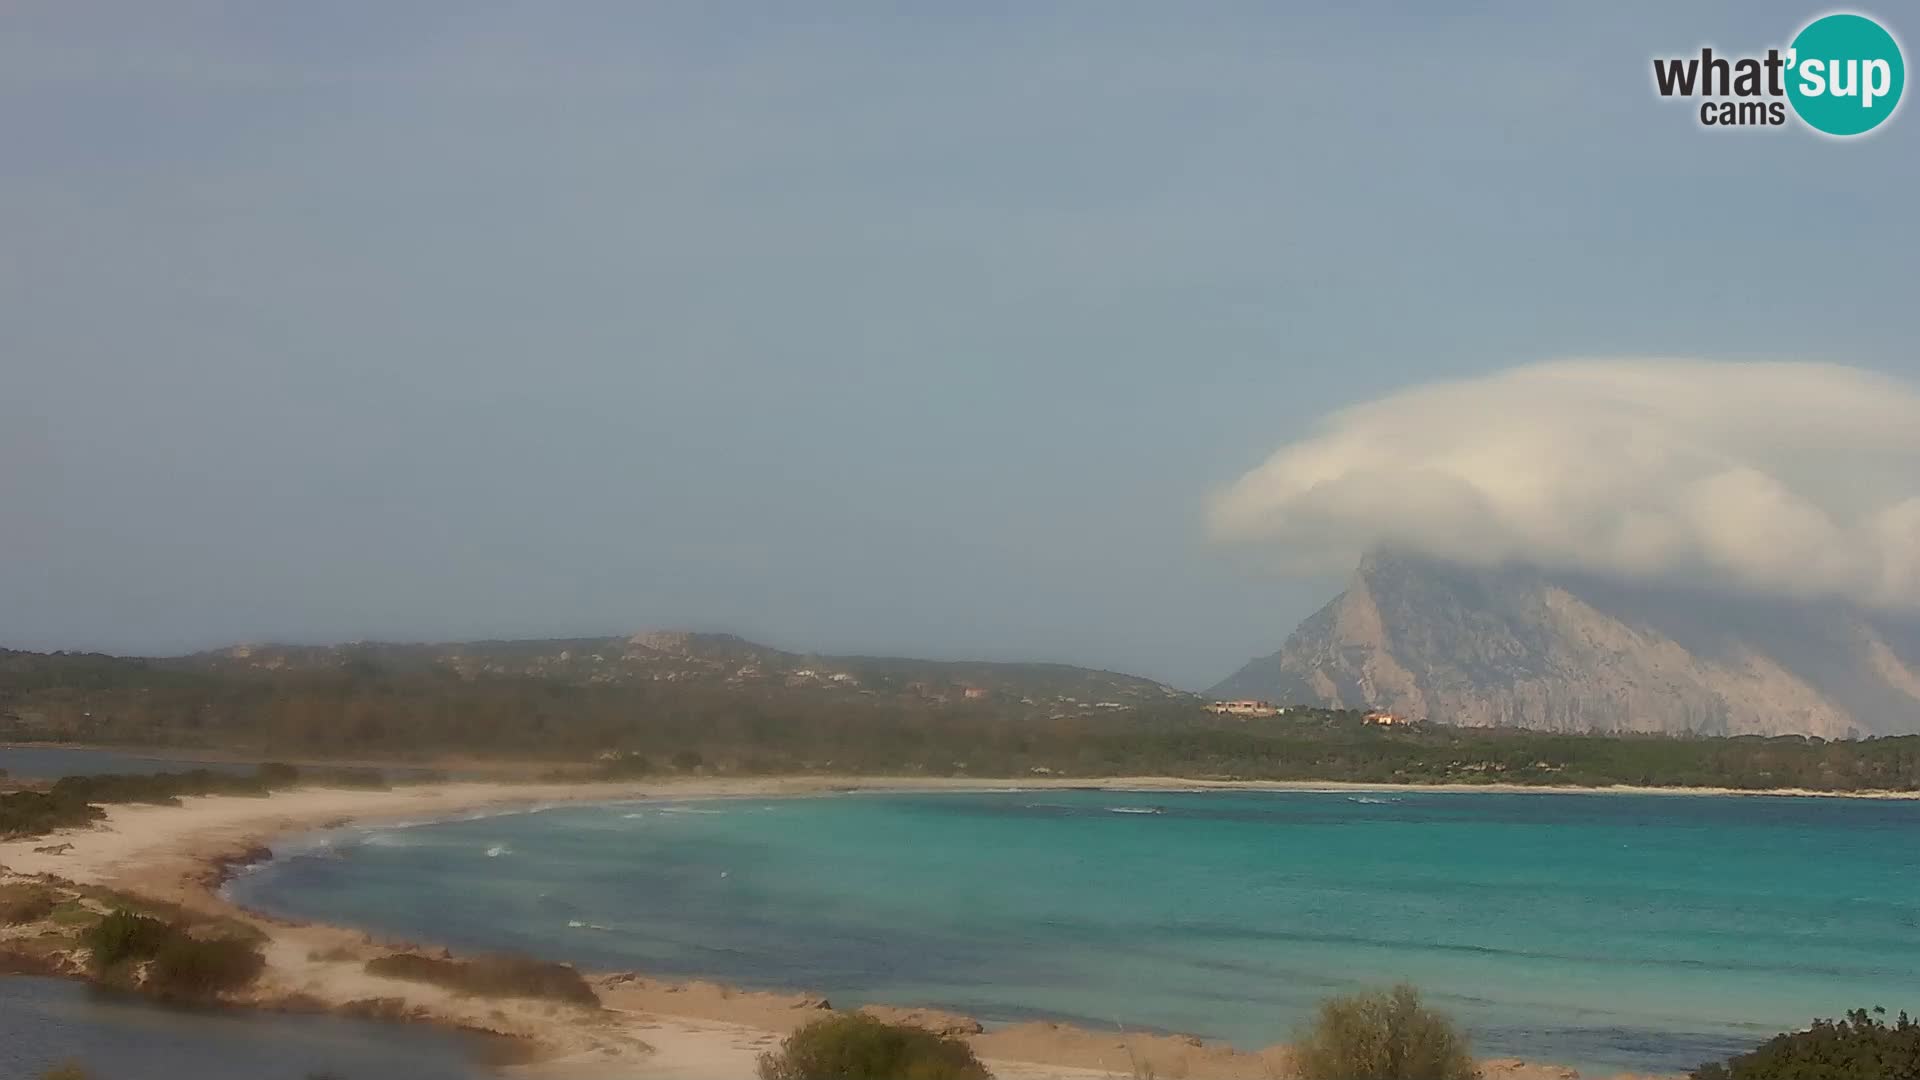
[(489, 976), (851, 1046), (74, 801)]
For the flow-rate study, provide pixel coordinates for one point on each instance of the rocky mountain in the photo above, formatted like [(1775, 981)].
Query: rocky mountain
[(1520, 647)]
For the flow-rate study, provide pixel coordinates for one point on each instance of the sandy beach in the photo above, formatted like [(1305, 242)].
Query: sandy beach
[(649, 1029)]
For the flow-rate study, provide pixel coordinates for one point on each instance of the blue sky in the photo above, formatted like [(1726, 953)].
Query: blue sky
[(847, 327)]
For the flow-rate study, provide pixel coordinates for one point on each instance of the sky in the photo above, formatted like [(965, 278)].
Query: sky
[(909, 329)]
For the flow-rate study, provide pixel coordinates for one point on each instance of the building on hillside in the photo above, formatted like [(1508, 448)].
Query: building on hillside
[(1244, 708), (1382, 718)]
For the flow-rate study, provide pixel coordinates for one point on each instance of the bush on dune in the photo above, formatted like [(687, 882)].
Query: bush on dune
[(33, 813), (856, 1047), (183, 966), (24, 904), (1860, 1047), (71, 801), (121, 936), (189, 968), (1383, 1036), (490, 976)]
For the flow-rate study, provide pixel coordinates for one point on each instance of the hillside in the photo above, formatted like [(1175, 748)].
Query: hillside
[(718, 659), (1518, 647), (682, 705), (562, 696)]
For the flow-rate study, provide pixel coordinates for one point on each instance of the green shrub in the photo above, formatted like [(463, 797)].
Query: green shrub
[(24, 904), (160, 789), (1383, 1036), (32, 813), (121, 936), (72, 913), (69, 802), (1861, 1047), (856, 1047), (183, 966), (187, 967), (490, 976)]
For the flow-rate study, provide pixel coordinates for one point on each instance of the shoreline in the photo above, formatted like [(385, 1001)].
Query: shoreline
[(695, 1030), (542, 774)]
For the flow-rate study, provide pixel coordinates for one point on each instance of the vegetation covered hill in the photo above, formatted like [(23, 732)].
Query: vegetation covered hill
[(361, 702), (547, 698), (711, 659)]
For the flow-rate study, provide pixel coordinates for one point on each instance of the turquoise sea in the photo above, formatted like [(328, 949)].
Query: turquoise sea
[(1606, 931)]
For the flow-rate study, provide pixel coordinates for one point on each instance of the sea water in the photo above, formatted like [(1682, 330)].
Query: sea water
[(1608, 931)]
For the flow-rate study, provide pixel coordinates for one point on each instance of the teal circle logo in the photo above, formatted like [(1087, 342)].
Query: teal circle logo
[(1845, 74)]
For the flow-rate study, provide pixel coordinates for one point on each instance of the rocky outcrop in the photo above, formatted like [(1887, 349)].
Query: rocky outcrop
[(1515, 646)]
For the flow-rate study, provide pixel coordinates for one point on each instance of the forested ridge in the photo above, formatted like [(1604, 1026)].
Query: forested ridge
[(362, 709)]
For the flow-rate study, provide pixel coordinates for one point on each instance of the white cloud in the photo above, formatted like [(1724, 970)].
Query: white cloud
[(1799, 479)]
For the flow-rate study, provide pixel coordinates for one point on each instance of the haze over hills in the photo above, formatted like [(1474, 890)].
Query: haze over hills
[(1516, 646), (713, 660), (681, 656)]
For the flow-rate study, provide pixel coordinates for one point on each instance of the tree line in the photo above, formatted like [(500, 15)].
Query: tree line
[(364, 711)]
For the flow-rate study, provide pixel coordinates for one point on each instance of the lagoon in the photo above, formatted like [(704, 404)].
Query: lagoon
[(1608, 931), (118, 1036)]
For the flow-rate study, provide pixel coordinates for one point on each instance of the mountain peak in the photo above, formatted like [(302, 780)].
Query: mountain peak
[(1519, 646)]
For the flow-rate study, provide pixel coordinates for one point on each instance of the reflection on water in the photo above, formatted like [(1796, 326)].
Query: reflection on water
[(47, 1021)]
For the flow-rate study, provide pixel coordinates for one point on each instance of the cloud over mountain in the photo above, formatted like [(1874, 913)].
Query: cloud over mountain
[(1793, 479)]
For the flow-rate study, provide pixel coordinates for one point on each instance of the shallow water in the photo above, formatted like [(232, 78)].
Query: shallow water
[(1605, 931), (47, 1021)]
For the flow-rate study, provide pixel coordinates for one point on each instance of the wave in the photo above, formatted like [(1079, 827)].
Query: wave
[(383, 838), (498, 850), (1136, 809)]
